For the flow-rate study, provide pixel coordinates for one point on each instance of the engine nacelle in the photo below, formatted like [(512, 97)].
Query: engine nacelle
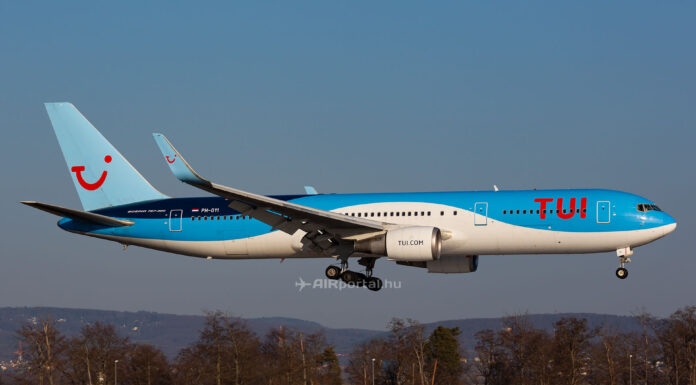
[(454, 264), (407, 244)]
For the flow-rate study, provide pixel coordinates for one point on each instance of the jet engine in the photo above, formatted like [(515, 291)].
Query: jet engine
[(413, 244)]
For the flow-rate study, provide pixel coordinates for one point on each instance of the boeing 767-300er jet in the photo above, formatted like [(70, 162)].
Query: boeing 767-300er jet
[(443, 232)]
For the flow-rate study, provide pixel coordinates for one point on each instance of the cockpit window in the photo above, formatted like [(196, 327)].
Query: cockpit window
[(643, 207)]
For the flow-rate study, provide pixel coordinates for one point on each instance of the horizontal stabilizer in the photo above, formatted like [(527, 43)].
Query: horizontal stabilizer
[(85, 216)]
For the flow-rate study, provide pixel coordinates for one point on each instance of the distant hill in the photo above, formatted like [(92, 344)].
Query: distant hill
[(168, 332), (171, 333)]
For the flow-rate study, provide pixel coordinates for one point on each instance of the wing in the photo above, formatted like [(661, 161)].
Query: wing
[(324, 229)]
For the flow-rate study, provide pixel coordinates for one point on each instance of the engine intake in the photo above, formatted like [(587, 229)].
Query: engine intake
[(416, 243)]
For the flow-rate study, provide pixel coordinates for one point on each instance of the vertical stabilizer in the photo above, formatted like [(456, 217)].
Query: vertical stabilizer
[(102, 176)]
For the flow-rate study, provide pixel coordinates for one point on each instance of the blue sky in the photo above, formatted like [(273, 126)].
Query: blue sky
[(352, 97)]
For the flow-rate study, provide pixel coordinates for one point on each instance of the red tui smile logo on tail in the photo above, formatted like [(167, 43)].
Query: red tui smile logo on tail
[(170, 160), (86, 185)]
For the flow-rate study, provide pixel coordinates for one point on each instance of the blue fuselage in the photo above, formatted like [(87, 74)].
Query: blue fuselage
[(478, 222)]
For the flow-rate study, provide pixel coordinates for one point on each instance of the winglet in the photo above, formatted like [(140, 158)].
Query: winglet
[(177, 164)]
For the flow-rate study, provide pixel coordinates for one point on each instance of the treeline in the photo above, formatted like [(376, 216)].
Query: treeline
[(227, 352), (662, 351)]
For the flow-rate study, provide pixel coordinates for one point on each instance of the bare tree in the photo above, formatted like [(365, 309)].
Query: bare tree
[(571, 350), (359, 370), (677, 337), (93, 353), (291, 357), (227, 352), (491, 359), (43, 352), (407, 351), (145, 365), (527, 349)]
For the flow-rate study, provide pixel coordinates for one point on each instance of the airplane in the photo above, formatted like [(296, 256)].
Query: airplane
[(302, 284), (441, 232)]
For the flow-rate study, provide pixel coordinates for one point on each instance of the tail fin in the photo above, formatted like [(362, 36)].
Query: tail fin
[(102, 176)]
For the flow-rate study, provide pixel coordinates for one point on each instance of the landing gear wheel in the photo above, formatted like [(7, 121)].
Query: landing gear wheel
[(373, 283), (360, 279), (333, 272), (621, 273), (348, 276)]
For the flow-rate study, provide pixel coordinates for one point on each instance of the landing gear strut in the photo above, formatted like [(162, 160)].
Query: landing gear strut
[(355, 278)]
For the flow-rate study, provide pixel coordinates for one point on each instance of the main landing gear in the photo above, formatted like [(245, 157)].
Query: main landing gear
[(355, 278), (623, 254)]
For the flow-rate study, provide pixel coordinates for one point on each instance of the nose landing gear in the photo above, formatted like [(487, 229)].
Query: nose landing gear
[(623, 254)]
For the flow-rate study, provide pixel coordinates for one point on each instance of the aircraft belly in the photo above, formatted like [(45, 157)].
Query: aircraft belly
[(502, 238)]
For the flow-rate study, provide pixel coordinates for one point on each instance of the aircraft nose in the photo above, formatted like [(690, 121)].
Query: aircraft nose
[(668, 228), (669, 224)]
